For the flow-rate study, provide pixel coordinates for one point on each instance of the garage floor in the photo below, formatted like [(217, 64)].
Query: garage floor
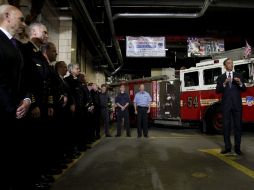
[(169, 159)]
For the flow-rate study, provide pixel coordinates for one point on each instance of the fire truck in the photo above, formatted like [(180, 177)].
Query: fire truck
[(191, 100)]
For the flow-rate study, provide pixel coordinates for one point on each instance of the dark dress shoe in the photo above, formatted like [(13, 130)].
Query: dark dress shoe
[(225, 151), (66, 161), (62, 166), (239, 152), (54, 171), (47, 179), (146, 136), (41, 186), (97, 137), (117, 135), (108, 135), (128, 135), (82, 149)]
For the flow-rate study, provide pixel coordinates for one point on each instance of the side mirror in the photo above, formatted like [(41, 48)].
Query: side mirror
[(251, 81)]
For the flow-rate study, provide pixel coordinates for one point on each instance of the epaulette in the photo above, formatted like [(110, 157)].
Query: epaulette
[(50, 100), (32, 99)]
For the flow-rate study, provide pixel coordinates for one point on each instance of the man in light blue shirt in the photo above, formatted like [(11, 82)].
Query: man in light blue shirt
[(142, 103)]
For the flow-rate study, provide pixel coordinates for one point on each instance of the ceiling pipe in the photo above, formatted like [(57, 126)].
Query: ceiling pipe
[(114, 38), (99, 45), (164, 15)]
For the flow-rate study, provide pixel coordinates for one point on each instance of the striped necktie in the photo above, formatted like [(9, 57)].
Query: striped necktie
[(230, 81)]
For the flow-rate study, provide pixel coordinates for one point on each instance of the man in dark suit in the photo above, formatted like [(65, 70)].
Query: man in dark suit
[(230, 85), (14, 100)]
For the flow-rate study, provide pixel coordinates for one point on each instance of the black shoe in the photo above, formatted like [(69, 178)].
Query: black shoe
[(97, 137), (225, 151), (146, 136), (53, 171), (63, 166), (46, 179), (66, 161), (128, 135), (108, 135), (41, 186), (82, 148), (239, 152), (117, 135)]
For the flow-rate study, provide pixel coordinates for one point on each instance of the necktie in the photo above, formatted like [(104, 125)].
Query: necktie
[(14, 42), (230, 81)]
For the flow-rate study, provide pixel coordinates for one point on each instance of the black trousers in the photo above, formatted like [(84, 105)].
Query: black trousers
[(142, 120), (96, 122), (120, 115), (232, 118), (105, 120)]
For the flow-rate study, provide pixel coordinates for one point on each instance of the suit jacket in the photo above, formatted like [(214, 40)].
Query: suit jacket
[(38, 75), (96, 101), (12, 89), (77, 92), (231, 97)]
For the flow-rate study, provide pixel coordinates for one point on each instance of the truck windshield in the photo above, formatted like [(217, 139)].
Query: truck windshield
[(244, 71), (191, 79), (211, 75)]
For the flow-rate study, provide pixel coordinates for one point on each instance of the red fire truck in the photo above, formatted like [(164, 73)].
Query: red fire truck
[(192, 98), (198, 99)]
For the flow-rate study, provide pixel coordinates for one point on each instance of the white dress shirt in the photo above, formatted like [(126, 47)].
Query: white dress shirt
[(6, 33)]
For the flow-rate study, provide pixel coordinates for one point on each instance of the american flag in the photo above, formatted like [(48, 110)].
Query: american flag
[(247, 50)]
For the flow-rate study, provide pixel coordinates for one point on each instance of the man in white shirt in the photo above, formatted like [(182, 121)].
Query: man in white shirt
[(142, 103)]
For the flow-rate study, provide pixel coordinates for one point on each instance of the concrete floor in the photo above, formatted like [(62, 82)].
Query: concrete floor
[(169, 159)]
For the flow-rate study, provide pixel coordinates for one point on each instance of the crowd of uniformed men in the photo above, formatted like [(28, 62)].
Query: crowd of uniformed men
[(50, 119)]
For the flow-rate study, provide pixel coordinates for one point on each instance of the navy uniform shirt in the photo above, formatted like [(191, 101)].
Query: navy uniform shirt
[(104, 100), (122, 99)]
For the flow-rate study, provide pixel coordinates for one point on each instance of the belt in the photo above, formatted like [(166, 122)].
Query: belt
[(142, 106)]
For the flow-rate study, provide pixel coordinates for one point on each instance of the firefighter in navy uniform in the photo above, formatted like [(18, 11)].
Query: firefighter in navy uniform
[(96, 111), (104, 107), (89, 108), (57, 124), (63, 112), (122, 102), (78, 107), (38, 73)]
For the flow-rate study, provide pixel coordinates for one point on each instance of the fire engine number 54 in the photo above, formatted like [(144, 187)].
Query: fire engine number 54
[(192, 101)]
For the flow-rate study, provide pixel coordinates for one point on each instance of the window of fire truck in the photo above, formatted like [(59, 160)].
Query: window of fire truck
[(191, 79), (211, 75), (244, 71)]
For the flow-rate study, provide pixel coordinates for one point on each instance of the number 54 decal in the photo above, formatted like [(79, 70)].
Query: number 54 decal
[(192, 101)]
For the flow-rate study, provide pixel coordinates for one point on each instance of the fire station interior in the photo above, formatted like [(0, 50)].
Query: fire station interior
[(185, 123)]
